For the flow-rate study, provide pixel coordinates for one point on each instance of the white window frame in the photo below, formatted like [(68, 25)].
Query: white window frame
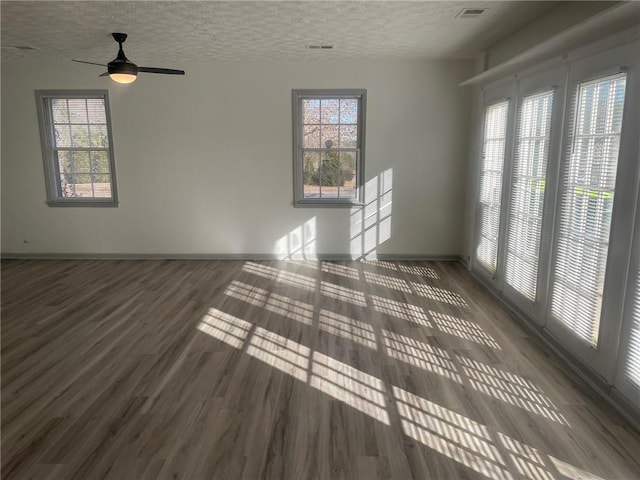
[(495, 93), (622, 383), (549, 79), (52, 181), (298, 151), (603, 358), (565, 76)]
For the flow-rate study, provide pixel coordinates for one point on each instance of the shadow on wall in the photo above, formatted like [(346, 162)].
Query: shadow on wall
[(299, 243), (370, 226)]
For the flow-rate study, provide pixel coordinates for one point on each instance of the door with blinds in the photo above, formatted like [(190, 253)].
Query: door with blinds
[(588, 258), (496, 145), (628, 372), (531, 191)]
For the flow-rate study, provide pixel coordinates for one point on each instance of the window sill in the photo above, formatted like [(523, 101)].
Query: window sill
[(328, 204), (82, 203)]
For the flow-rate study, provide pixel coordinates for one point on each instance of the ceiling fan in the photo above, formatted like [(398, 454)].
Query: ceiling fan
[(123, 70)]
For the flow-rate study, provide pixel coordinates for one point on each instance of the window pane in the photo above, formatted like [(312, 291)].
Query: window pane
[(67, 186), (98, 136), (586, 205), (348, 175), (329, 134), (96, 110), (83, 185), (330, 177), (348, 136), (311, 136), (80, 162), (59, 110), (349, 110), (495, 131), (311, 111), (102, 185), (62, 135), (63, 162), (77, 110), (330, 109), (527, 193), (99, 162), (311, 175), (79, 136)]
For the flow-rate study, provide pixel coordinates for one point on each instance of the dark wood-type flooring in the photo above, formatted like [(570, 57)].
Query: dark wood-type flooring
[(286, 370)]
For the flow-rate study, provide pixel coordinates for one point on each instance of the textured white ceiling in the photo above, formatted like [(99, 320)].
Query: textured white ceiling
[(171, 33)]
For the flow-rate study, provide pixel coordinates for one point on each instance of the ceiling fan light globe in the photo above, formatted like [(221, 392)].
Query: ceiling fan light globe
[(123, 77)]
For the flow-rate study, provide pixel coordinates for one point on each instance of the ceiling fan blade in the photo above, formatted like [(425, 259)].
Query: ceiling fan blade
[(90, 63), (166, 71), (105, 74)]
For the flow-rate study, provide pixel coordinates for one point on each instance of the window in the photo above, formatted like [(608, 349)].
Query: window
[(632, 357), (328, 144), (77, 150), (587, 192), (493, 153), (527, 193)]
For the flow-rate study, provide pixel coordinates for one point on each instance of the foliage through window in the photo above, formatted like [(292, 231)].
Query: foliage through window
[(328, 146), (77, 148)]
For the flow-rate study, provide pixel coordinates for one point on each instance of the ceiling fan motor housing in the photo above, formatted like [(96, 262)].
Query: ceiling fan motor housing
[(122, 67)]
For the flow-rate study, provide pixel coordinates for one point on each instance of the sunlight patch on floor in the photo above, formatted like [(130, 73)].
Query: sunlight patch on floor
[(226, 328), (342, 270), (464, 329), (571, 472), (279, 352), (247, 293), (286, 278), (420, 354), (346, 327), (510, 388), (439, 295), (401, 310), (419, 270), (453, 435), (393, 283), (360, 390), (344, 294), (287, 307), (528, 461)]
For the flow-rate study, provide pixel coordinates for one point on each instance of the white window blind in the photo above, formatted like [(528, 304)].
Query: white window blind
[(632, 360), (495, 132), (587, 192), (527, 193)]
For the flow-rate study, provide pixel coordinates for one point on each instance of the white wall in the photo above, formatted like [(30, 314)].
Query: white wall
[(204, 162), (564, 16)]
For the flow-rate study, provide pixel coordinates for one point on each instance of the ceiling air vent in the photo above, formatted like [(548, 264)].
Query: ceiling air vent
[(320, 47), (17, 47), (471, 12)]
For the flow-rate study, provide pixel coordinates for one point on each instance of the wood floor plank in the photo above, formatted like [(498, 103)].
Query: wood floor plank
[(286, 370)]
